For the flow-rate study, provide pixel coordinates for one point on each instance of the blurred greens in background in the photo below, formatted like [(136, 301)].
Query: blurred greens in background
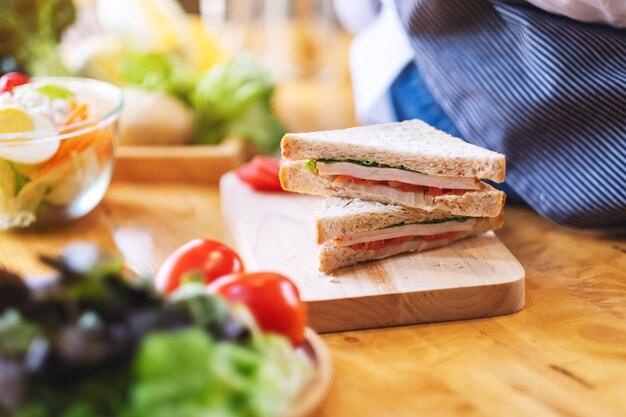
[(30, 31), (151, 45)]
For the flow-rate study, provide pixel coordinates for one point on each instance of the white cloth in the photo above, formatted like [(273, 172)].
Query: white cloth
[(377, 55), (611, 12), (355, 15)]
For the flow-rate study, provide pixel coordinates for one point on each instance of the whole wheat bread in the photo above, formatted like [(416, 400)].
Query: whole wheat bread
[(334, 257), (340, 217), (485, 202), (412, 144)]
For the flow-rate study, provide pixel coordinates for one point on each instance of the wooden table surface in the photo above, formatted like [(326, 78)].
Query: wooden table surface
[(563, 355)]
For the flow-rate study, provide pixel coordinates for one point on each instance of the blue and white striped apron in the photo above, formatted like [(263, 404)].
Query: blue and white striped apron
[(547, 91)]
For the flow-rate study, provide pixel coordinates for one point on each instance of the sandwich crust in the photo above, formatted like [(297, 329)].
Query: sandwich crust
[(485, 202), (412, 144)]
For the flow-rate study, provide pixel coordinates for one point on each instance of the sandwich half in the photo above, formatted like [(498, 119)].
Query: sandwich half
[(408, 163), (350, 231)]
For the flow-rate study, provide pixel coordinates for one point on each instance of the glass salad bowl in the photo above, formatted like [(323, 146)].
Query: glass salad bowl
[(57, 139)]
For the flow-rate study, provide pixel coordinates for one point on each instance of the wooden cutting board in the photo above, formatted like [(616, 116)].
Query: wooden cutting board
[(472, 278)]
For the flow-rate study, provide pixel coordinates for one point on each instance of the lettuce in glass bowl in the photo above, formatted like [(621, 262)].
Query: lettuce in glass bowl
[(57, 139)]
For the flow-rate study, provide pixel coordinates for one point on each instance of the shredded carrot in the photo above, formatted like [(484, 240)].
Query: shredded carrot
[(70, 145), (64, 154), (78, 113), (101, 139), (104, 143)]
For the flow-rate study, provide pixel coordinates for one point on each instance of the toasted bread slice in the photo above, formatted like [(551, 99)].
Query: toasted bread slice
[(333, 257), (484, 202), (412, 144)]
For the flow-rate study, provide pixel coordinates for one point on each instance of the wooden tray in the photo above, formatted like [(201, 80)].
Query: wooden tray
[(191, 163), (472, 278)]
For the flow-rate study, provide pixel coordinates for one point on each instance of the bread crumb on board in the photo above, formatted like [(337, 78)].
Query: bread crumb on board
[(331, 279)]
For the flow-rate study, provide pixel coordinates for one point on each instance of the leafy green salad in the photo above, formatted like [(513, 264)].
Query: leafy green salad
[(55, 157), (93, 343), (233, 98)]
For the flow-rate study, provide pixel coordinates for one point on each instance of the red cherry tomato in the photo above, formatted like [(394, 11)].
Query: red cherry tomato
[(261, 173), (201, 259), (272, 298), (11, 80)]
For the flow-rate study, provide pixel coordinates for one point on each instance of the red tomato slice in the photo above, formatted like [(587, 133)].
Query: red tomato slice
[(273, 300), (267, 169), (11, 80), (261, 173), (410, 188), (447, 235), (434, 191), (378, 244), (258, 181), (268, 165), (201, 259)]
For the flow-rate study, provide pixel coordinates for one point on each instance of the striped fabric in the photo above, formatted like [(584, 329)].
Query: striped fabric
[(547, 91)]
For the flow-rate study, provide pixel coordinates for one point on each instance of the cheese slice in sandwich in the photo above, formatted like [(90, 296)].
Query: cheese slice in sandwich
[(350, 231), (408, 163)]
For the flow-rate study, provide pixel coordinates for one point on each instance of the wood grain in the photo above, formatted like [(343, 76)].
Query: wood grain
[(188, 163), (564, 354), (471, 278), (141, 223)]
